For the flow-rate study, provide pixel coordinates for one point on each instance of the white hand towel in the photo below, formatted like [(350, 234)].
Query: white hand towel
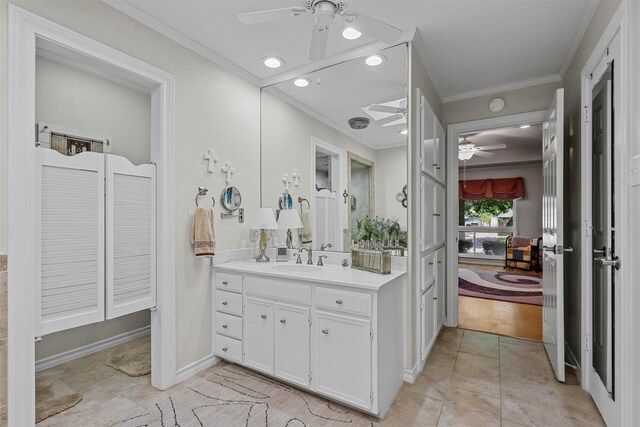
[(202, 234)]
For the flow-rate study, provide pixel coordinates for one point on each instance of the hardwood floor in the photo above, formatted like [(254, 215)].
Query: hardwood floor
[(500, 317)]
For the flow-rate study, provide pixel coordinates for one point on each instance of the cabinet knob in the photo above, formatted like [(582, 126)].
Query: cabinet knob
[(264, 316), (283, 321), (439, 262), (225, 283), (339, 301), (436, 214), (325, 331), (224, 349), (435, 297), (225, 326), (224, 303), (431, 263)]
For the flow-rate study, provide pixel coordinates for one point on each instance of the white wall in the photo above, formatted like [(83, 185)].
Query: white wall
[(72, 98), (391, 176), (529, 208), (214, 109)]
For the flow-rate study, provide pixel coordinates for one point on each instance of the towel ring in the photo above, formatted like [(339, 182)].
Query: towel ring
[(301, 199), (202, 191)]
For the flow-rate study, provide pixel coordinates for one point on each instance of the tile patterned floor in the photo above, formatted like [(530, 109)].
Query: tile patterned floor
[(470, 379)]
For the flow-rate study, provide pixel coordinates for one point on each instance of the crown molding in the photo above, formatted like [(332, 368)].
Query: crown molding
[(551, 78), (133, 12), (577, 39), (423, 55)]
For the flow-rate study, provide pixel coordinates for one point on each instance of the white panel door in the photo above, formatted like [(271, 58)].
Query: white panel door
[(441, 286), (70, 240), (427, 136), (343, 358), (427, 211), (130, 237), (326, 220), (440, 152), (439, 215), (553, 235), (293, 343), (427, 321), (259, 336)]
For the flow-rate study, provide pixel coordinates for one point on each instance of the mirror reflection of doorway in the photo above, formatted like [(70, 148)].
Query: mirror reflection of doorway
[(326, 203), (361, 190)]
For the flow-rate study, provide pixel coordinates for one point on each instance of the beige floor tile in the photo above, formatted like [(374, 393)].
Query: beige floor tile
[(479, 374), (529, 408), (510, 424), (412, 409), (449, 339), (480, 343), (429, 385), (577, 407), (465, 408), (473, 401)]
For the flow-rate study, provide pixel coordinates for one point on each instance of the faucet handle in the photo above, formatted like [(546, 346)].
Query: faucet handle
[(345, 263), (320, 263), (298, 261)]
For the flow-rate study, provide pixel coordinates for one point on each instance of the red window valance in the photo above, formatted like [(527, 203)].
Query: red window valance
[(497, 189)]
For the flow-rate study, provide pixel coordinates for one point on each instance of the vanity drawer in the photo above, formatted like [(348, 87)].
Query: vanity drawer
[(228, 348), (279, 290), (228, 302), (229, 325), (428, 267), (229, 282), (344, 301)]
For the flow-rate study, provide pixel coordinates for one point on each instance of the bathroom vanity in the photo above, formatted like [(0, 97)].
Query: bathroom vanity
[(334, 331)]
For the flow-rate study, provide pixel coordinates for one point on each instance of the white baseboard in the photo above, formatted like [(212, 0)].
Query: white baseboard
[(410, 375), (76, 353), (195, 367)]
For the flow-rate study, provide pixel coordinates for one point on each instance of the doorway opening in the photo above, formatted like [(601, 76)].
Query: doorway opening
[(361, 190), (326, 212), (500, 231)]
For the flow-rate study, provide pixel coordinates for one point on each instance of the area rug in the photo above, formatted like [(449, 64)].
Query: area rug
[(134, 362), (53, 397), (501, 286), (232, 396)]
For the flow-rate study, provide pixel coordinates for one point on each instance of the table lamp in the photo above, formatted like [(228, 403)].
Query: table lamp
[(289, 219), (264, 220)]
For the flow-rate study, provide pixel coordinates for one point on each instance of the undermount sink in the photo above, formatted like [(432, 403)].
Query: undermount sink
[(292, 268)]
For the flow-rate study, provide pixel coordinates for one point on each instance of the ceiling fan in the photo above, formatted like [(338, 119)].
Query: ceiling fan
[(467, 149), (324, 13), (398, 114)]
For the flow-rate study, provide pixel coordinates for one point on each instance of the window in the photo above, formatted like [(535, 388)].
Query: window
[(484, 226)]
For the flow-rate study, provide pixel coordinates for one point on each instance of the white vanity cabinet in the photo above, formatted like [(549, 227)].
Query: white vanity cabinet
[(427, 320), (338, 334)]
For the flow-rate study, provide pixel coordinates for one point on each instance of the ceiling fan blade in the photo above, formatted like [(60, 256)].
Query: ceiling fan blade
[(396, 119), (385, 109), (372, 27), (482, 153), (319, 39), (492, 147), (270, 15)]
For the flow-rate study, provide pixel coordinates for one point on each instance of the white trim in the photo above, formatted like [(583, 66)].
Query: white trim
[(25, 29), (76, 353), (198, 366), (128, 9), (589, 11), (453, 132), (426, 63), (521, 84), (411, 375)]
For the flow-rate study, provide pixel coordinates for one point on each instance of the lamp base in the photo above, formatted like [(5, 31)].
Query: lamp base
[(262, 258), (263, 247)]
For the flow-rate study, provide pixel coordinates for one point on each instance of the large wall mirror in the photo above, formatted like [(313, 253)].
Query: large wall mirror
[(334, 140)]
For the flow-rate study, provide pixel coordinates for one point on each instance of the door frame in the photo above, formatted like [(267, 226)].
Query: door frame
[(29, 35), (453, 132), (352, 157), (622, 412), (337, 174)]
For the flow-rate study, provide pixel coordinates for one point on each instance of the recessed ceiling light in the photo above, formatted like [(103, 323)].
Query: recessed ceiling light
[(301, 82), (374, 60), (404, 132), (273, 62), (351, 33), (525, 126)]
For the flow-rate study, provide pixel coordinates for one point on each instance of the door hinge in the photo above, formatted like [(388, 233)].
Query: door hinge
[(309, 321), (310, 376), (586, 342), (371, 396), (586, 114), (371, 334)]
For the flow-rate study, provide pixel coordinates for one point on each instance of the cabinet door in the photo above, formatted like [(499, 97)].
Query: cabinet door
[(259, 334), (428, 271), (427, 323), (293, 344), (427, 135), (440, 215), (427, 203), (441, 287), (343, 358), (440, 151)]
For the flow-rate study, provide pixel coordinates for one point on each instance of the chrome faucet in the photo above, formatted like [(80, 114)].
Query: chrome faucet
[(323, 247), (298, 261), (320, 263), (310, 252)]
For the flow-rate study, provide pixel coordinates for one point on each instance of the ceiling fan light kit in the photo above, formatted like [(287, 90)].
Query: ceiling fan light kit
[(351, 33)]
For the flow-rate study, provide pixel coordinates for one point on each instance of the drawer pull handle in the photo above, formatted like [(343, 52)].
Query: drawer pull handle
[(225, 326), (264, 316), (224, 303), (431, 263), (225, 283), (339, 301), (283, 321), (224, 349), (325, 331)]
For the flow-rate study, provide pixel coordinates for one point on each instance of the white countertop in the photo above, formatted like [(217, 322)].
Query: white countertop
[(328, 274)]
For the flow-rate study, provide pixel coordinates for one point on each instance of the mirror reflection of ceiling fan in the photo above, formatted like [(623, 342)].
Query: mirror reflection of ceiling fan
[(398, 114), (467, 149), (324, 13)]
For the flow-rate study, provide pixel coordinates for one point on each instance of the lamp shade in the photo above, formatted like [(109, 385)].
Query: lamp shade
[(289, 218), (264, 219)]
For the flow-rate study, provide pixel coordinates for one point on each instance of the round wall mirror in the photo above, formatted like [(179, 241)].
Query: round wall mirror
[(231, 198), (286, 202)]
